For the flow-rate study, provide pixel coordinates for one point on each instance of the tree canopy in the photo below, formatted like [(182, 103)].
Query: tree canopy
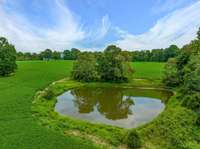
[(112, 65), (7, 57), (184, 73), (84, 68)]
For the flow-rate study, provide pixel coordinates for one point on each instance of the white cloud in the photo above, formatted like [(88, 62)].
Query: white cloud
[(100, 31), (169, 5), (27, 37), (178, 27)]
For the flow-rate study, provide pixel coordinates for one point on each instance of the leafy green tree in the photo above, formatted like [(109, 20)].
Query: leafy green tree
[(113, 66), (170, 52), (7, 57), (20, 56), (75, 53), (170, 74), (157, 55), (46, 55), (56, 55), (84, 68), (191, 83), (67, 55)]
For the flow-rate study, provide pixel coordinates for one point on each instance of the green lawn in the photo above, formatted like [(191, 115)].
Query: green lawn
[(148, 70), (18, 129)]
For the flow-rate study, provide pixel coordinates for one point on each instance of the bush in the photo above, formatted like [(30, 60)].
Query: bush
[(192, 102), (198, 121), (49, 94), (133, 140)]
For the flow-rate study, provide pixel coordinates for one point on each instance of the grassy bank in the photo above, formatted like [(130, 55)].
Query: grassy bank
[(175, 127)]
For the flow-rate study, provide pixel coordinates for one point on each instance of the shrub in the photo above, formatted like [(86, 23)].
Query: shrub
[(133, 140), (49, 94), (192, 102), (198, 121)]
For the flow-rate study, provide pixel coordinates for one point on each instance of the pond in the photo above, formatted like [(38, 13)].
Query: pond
[(122, 107)]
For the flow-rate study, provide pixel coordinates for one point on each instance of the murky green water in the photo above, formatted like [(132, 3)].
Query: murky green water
[(123, 107)]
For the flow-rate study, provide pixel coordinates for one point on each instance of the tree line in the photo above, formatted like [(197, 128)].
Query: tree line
[(155, 55), (48, 54)]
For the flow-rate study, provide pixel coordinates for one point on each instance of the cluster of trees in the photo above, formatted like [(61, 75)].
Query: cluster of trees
[(7, 57), (49, 54), (155, 55), (44, 55), (111, 66), (183, 71)]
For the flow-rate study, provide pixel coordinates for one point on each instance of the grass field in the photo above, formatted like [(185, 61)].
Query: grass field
[(18, 129), (148, 70)]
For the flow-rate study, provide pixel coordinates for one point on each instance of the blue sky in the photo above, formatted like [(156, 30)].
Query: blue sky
[(35, 25)]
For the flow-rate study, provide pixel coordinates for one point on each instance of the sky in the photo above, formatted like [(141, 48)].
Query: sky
[(35, 25)]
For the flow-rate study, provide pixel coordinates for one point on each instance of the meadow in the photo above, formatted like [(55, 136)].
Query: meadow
[(17, 126), (148, 70)]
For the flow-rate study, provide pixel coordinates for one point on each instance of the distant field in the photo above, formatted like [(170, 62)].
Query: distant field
[(18, 129), (149, 70)]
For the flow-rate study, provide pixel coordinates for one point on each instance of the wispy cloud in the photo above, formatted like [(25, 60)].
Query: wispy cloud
[(28, 37), (169, 5), (178, 27), (100, 31)]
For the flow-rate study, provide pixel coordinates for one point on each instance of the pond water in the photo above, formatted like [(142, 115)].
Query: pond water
[(122, 107)]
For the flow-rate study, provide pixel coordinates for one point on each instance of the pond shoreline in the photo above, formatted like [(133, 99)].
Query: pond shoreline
[(106, 135)]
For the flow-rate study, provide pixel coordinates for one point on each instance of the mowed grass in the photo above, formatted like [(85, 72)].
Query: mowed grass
[(18, 129), (148, 70)]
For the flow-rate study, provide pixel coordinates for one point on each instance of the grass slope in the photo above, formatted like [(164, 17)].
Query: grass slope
[(18, 129)]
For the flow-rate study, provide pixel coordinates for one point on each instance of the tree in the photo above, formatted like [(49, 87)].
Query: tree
[(170, 52), (191, 84), (67, 55), (7, 57), (84, 68), (113, 66), (170, 74), (46, 55), (75, 52), (20, 56), (56, 55)]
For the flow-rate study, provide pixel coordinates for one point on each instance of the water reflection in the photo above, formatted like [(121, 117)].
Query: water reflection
[(124, 107)]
